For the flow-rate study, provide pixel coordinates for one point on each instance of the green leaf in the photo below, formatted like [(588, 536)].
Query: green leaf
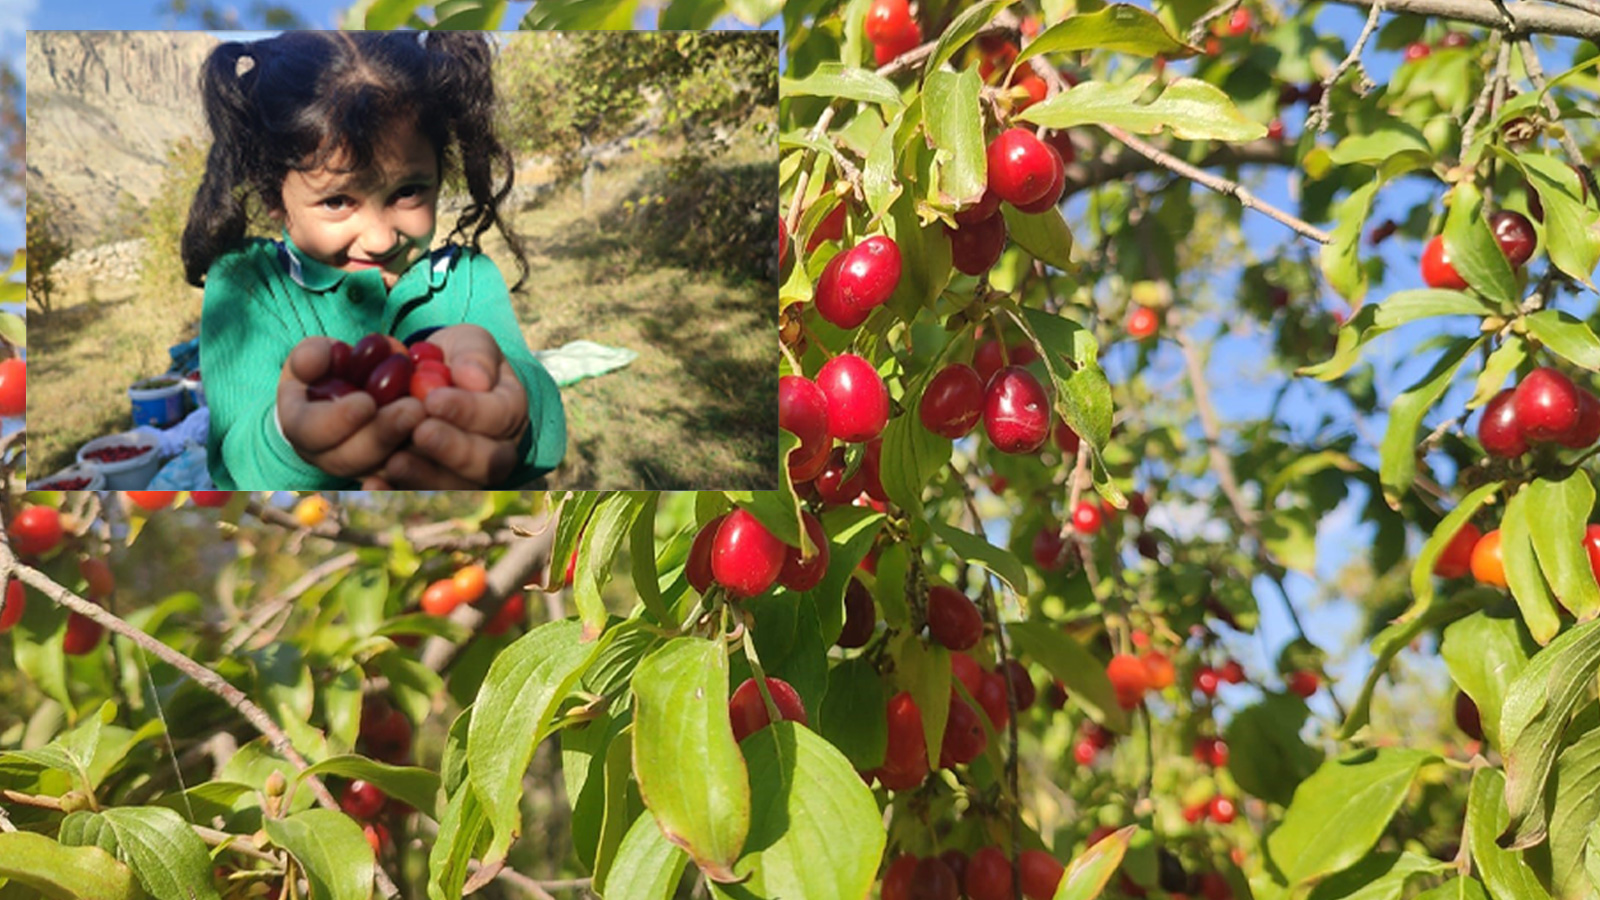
[(911, 456), (1290, 535), (1506, 873), (1456, 889), (580, 15), (1568, 231), (954, 122), (1119, 28), (1070, 354), (1341, 260), (1045, 236), (1523, 574), (647, 866), (514, 712), (1082, 674), (1376, 147), (1398, 454), (1576, 788), (64, 873), (851, 531), (330, 848), (168, 858), (1485, 653), (755, 12), (1536, 711), (617, 812), (1379, 876), (975, 548), (415, 786), (387, 15), (463, 832), (570, 524), (923, 669), (642, 547), (964, 28), (925, 266), (1375, 319), (1472, 248), (1566, 336), (604, 536), (1193, 110), (1501, 363), (1564, 508), (1422, 569), (852, 712), (1397, 636), (690, 771), (1088, 874), (833, 80), (1341, 810), (815, 829), (1266, 755)]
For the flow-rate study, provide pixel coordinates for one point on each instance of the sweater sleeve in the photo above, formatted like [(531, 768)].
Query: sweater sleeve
[(244, 339), (489, 306)]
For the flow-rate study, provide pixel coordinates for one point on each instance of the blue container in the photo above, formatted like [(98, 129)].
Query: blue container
[(157, 402)]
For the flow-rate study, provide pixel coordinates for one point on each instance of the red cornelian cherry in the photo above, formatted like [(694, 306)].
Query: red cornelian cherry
[(698, 569), (83, 634), (1437, 271), (893, 46), (870, 273), (1021, 684), (803, 412), (933, 880), (1047, 547), (1021, 168), (988, 875), (829, 300), (1591, 544), (987, 205), (1221, 810), (1239, 23), (1129, 679), (832, 487), (1206, 680), (1058, 184), (13, 387), (1498, 428), (150, 501), (860, 616), (953, 619), (905, 760), (831, 228), (801, 574), (210, 498), (1142, 322), (897, 879), (1456, 560), (1041, 874), (886, 19), (1016, 411), (1515, 235), (858, 400), (748, 712), (362, 800), (16, 601), (35, 530), (965, 669), (1417, 50), (1086, 518), (745, 557), (1231, 672), (975, 248), (1303, 682), (1546, 404), (964, 737), (1467, 718), (952, 402), (992, 697), (1587, 430)]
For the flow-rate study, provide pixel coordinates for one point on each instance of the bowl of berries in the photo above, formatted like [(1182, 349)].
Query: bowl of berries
[(79, 477), (127, 460)]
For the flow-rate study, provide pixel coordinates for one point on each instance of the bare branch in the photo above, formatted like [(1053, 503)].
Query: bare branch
[(1321, 114), (1526, 18)]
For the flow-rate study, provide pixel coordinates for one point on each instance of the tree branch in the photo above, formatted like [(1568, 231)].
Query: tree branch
[(1526, 18)]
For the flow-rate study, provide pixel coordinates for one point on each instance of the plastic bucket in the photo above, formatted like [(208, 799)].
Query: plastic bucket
[(67, 479), (192, 388), (132, 473), (157, 401)]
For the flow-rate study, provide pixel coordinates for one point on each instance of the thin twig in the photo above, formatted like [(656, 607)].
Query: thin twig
[(1322, 114), (1502, 61), (269, 608), (1530, 62), (1197, 31), (1526, 18)]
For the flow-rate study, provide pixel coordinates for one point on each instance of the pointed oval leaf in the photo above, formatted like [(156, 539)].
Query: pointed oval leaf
[(1088, 874), (1266, 754), (964, 28), (1083, 675), (1398, 454), (332, 850), (64, 873), (954, 121), (1563, 507), (1472, 248), (689, 769), (1566, 336), (513, 713), (415, 786), (168, 858), (1523, 575), (1194, 110), (852, 713), (1339, 812), (1119, 28), (833, 80), (815, 829), (1536, 711), (647, 867), (976, 549), (1506, 873), (1486, 653)]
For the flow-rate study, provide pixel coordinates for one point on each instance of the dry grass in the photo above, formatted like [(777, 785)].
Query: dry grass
[(697, 409)]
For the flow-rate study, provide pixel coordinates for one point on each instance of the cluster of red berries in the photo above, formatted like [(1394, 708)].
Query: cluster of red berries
[(738, 553), (383, 367), (1092, 738), (985, 876), (1206, 678), (116, 452), (847, 402), (857, 281), (891, 29), (1212, 751), (66, 484), (1012, 403), (465, 585), (1133, 676), (1544, 408), (1023, 171), (1470, 550), (1512, 232), (1418, 49), (1219, 809)]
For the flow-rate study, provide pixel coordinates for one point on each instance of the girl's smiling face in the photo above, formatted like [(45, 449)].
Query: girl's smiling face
[(382, 217)]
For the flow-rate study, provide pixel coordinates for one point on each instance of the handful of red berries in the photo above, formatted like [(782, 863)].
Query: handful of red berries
[(117, 453), (1545, 407), (384, 368)]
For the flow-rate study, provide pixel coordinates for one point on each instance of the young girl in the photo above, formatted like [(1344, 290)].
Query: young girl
[(345, 138)]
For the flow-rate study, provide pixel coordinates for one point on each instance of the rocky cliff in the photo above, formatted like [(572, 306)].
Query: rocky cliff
[(103, 107)]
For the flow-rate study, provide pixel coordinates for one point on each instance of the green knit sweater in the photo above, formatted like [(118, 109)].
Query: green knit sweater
[(265, 297)]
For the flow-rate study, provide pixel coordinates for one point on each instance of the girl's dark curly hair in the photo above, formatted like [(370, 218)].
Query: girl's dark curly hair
[(292, 102)]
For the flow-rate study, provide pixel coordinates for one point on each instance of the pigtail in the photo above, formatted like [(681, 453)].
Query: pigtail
[(217, 216), (461, 83)]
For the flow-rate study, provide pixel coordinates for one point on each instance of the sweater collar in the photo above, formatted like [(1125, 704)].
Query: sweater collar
[(315, 275)]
